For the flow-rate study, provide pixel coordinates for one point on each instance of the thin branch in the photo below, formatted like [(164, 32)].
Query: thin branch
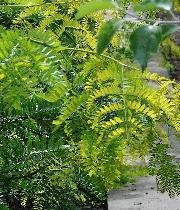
[(167, 22), (103, 55), (173, 15), (86, 51), (157, 22), (31, 5), (135, 18), (16, 5), (94, 53)]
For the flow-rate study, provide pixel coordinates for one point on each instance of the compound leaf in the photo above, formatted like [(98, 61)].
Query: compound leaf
[(144, 43), (94, 6), (106, 34), (154, 4), (168, 29)]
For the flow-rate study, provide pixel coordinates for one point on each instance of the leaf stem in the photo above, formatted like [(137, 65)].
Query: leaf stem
[(157, 22), (30, 5), (103, 55), (86, 51)]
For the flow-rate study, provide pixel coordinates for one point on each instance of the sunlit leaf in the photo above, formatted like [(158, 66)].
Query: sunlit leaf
[(94, 6), (2, 76), (106, 34), (154, 4), (55, 93), (144, 43)]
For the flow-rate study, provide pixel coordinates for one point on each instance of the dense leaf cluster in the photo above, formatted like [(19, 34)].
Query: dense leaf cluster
[(73, 124)]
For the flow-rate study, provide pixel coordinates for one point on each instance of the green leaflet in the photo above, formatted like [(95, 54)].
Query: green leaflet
[(2, 207), (94, 6), (144, 43), (106, 34), (153, 4), (168, 29), (72, 105), (162, 164), (59, 90), (145, 40)]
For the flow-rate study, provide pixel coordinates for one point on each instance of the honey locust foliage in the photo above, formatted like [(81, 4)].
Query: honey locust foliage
[(144, 41), (73, 124), (154, 4), (106, 34), (94, 6), (38, 168)]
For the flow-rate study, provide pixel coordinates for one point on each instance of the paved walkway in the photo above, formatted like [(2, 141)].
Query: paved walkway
[(142, 195)]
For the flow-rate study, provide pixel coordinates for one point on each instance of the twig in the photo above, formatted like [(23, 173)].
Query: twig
[(157, 22), (173, 15), (86, 51), (31, 5), (94, 53)]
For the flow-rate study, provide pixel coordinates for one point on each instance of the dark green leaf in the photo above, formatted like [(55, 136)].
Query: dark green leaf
[(168, 29), (2, 207), (144, 43), (154, 4), (94, 6), (106, 34)]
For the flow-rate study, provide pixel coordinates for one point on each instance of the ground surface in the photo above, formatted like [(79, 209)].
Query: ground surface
[(142, 195)]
